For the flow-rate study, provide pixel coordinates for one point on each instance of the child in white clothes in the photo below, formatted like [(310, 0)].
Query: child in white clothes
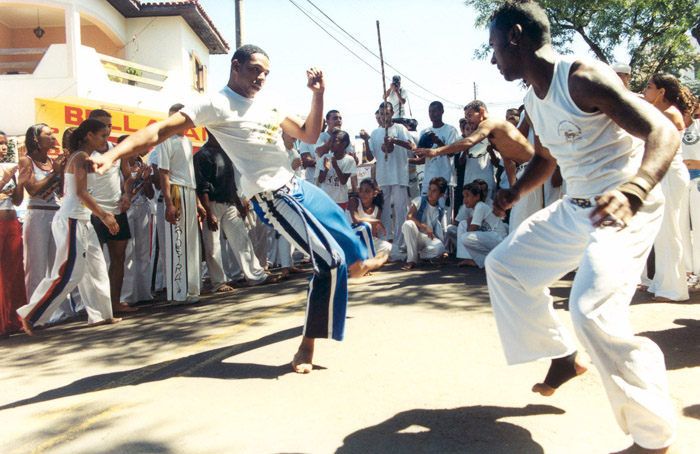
[(425, 226), (365, 213), (336, 168), (484, 231)]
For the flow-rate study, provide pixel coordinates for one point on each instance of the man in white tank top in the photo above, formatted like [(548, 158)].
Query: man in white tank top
[(586, 121)]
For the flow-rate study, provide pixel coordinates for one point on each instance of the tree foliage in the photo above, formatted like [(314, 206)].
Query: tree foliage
[(655, 33)]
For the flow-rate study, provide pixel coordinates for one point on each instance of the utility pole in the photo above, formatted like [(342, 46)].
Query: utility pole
[(476, 90), (239, 23)]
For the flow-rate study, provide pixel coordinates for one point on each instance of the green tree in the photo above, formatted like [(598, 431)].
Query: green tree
[(655, 33)]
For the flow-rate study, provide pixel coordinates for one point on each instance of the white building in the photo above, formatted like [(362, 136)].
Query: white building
[(60, 59)]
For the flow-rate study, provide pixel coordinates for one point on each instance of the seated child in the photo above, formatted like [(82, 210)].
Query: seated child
[(483, 232), (424, 229), (454, 232), (336, 168), (365, 213)]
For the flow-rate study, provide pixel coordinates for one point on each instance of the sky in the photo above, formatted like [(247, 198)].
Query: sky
[(430, 42)]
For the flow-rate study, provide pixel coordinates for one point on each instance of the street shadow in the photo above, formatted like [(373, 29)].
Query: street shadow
[(692, 411), (474, 429), (681, 346), (136, 447), (207, 364)]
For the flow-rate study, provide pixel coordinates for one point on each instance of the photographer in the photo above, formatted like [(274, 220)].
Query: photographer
[(397, 96)]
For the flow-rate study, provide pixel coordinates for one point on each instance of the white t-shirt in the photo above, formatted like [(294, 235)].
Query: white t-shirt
[(691, 141), (107, 189), (487, 221), (249, 131), (293, 154), (441, 166), (431, 216), (399, 109), (309, 172), (479, 166), (324, 136), (394, 170), (337, 191), (175, 156)]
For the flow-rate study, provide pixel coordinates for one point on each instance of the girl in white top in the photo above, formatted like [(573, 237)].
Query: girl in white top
[(78, 251), (669, 282), (365, 213), (484, 231), (43, 185), (12, 291)]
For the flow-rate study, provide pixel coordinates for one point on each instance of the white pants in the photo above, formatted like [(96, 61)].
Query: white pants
[(39, 247), (79, 263), (182, 260), (545, 247), (236, 233), (137, 266), (451, 238), (478, 244), (669, 278), (419, 245), (526, 207), (690, 216), (279, 251), (397, 196), (159, 260)]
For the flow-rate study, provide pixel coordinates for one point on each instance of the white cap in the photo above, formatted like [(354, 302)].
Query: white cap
[(621, 68)]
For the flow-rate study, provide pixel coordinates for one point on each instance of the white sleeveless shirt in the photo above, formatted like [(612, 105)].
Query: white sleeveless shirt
[(71, 205), (46, 198), (362, 214), (594, 154)]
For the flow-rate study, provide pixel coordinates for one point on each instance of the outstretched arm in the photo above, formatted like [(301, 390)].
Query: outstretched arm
[(465, 144), (142, 140)]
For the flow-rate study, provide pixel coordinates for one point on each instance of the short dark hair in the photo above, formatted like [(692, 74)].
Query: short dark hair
[(526, 13), (440, 182), (244, 53), (484, 185), (438, 104), (99, 113), (385, 105), (176, 107), (343, 136), (476, 106), (332, 111), (476, 189)]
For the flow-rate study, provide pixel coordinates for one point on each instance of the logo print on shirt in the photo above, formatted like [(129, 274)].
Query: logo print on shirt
[(569, 131), (690, 138)]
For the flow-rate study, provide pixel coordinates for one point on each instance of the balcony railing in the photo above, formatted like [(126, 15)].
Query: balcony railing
[(132, 73), (20, 67)]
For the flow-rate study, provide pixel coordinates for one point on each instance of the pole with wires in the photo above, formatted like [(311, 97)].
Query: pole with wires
[(384, 96)]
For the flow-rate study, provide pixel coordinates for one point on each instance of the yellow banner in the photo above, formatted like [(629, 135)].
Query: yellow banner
[(63, 113)]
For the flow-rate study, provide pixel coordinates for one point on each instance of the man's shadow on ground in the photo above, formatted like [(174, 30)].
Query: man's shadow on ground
[(459, 430), (207, 364), (681, 346)]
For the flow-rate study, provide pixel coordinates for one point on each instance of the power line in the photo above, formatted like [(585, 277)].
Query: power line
[(377, 56), (348, 49)]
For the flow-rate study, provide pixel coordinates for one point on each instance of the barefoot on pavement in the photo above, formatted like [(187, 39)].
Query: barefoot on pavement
[(560, 371), (359, 268), (302, 362)]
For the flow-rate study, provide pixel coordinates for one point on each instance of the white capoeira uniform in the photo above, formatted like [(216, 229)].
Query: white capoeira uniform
[(182, 258), (158, 210), (249, 132), (690, 212), (477, 244), (595, 156), (79, 263), (419, 244), (479, 166), (669, 278), (363, 230), (392, 176), (137, 266), (39, 245)]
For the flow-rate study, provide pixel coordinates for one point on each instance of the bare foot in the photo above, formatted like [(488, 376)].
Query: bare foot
[(361, 267), (409, 266), (661, 299), (113, 320), (123, 307), (636, 449), (467, 262), (100, 323), (560, 371), (642, 288), (224, 288), (302, 362), (27, 327)]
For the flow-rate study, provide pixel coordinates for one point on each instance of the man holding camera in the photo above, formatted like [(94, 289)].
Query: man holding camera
[(397, 96)]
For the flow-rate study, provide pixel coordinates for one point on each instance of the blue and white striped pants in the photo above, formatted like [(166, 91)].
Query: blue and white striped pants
[(311, 221)]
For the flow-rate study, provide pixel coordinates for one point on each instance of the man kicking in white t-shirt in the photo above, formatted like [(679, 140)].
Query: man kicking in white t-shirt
[(250, 132)]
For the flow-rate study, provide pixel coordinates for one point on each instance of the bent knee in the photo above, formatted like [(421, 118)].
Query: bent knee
[(496, 259)]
